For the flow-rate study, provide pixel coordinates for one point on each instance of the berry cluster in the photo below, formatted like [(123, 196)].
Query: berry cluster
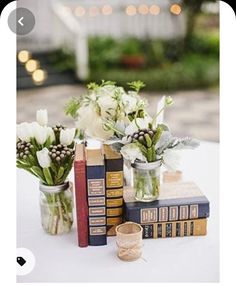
[(141, 135), (58, 128), (23, 149), (60, 153)]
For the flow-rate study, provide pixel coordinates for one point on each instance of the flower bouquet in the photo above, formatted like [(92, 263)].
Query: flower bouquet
[(48, 153), (146, 145), (119, 118), (106, 109)]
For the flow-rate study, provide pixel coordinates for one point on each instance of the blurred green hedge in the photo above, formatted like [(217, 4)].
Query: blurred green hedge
[(169, 65)]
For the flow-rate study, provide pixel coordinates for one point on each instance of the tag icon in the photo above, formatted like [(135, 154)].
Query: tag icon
[(25, 261), (20, 260)]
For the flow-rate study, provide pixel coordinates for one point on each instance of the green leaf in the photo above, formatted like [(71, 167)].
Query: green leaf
[(72, 107), (157, 135), (48, 142), (54, 168), (136, 85), (48, 176), (60, 172), (38, 172), (32, 160), (148, 140)]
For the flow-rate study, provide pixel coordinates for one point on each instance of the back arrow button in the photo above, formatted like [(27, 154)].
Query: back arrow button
[(20, 21)]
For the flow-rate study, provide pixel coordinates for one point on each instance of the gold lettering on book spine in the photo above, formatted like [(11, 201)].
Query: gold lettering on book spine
[(114, 179)]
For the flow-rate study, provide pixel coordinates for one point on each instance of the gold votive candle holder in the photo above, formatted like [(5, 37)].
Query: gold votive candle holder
[(129, 241)]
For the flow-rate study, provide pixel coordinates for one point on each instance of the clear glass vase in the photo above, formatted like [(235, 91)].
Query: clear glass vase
[(56, 205), (146, 181)]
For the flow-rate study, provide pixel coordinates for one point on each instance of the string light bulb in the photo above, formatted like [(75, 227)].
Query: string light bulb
[(175, 9), (106, 10), (39, 76), (154, 10), (131, 10), (143, 9), (24, 56), (31, 65), (79, 11)]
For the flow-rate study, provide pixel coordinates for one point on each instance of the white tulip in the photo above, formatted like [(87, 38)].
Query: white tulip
[(24, 131), (67, 136), (43, 158), (42, 117), (40, 134), (50, 133)]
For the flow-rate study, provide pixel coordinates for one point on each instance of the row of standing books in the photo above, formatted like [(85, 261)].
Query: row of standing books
[(102, 201), (99, 183)]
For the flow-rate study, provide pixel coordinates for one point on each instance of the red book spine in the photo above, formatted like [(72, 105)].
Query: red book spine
[(81, 202)]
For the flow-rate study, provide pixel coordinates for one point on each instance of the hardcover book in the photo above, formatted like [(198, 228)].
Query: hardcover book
[(96, 196), (177, 201), (81, 195), (114, 189), (194, 227)]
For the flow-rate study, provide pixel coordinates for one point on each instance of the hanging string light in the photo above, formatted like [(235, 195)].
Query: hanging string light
[(80, 11), (24, 56), (175, 9), (131, 10), (154, 10), (106, 10), (143, 9)]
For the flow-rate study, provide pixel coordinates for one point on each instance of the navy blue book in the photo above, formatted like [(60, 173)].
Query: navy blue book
[(96, 196), (177, 201)]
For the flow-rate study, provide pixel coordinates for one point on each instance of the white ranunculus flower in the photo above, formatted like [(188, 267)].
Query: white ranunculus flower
[(131, 152), (42, 117), (98, 131), (40, 134), (130, 102), (51, 134), (43, 158), (24, 131), (108, 106), (67, 136), (171, 159), (86, 117)]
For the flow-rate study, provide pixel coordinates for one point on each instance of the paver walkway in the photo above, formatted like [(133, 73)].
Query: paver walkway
[(195, 113)]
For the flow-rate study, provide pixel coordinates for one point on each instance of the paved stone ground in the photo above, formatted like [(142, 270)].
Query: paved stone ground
[(195, 113)]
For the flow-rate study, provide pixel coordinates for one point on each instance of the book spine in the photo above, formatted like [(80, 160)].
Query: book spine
[(81, 202), (114, 194), (195, 227), (96, 205), (167, 213)]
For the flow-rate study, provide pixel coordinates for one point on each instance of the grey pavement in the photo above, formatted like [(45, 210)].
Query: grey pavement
[(194, 113)]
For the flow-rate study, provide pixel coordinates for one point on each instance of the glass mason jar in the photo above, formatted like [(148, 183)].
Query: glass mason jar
[(56, 205), (146, 180)]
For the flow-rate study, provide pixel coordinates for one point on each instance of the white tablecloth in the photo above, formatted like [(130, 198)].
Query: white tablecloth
[(188, 259)]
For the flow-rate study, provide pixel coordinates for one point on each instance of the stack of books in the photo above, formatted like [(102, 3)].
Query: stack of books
[(99, 193), (181, 210), (102, 202)]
